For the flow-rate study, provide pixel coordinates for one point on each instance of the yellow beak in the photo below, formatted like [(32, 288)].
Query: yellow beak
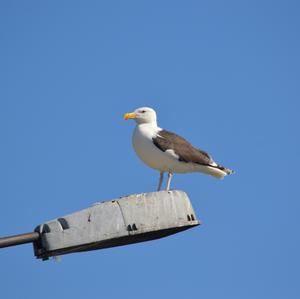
[(129, 116)]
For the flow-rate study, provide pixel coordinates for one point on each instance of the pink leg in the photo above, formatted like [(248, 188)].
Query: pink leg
[(161, 178), (169, 181)]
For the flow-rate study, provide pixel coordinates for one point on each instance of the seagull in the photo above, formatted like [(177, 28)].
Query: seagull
[(168, 152)]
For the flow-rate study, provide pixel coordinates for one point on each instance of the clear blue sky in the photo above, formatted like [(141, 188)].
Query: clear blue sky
[(224, 74)]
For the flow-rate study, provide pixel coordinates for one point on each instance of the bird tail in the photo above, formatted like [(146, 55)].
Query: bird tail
[(215, 170), (226, 170), (220, 171)]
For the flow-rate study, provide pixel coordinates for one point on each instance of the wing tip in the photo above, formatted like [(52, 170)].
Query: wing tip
[(226, 170)]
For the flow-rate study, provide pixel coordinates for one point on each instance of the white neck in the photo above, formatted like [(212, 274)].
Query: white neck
[(148, 129)]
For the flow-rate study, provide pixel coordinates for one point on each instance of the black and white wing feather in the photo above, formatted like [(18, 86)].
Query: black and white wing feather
[(166, 140)]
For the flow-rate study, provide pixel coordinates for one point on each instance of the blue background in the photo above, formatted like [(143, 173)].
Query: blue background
[(223, 74)]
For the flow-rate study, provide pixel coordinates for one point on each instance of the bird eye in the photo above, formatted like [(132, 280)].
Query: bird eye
[(143, 111)]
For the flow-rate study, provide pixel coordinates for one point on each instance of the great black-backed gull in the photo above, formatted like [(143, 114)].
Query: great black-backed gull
[(167, 151)]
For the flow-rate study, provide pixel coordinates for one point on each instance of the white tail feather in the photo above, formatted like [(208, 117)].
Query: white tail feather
[(216, 172)]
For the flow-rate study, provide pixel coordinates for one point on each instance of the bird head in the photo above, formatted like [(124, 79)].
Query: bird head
[(142, 115)]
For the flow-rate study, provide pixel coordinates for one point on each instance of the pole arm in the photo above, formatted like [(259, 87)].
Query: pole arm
[(19, 239)]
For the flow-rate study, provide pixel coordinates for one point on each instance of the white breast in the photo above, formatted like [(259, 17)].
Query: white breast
[(146, 150)]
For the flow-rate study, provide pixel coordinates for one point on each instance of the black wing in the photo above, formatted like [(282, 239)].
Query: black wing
[(187, 153)]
